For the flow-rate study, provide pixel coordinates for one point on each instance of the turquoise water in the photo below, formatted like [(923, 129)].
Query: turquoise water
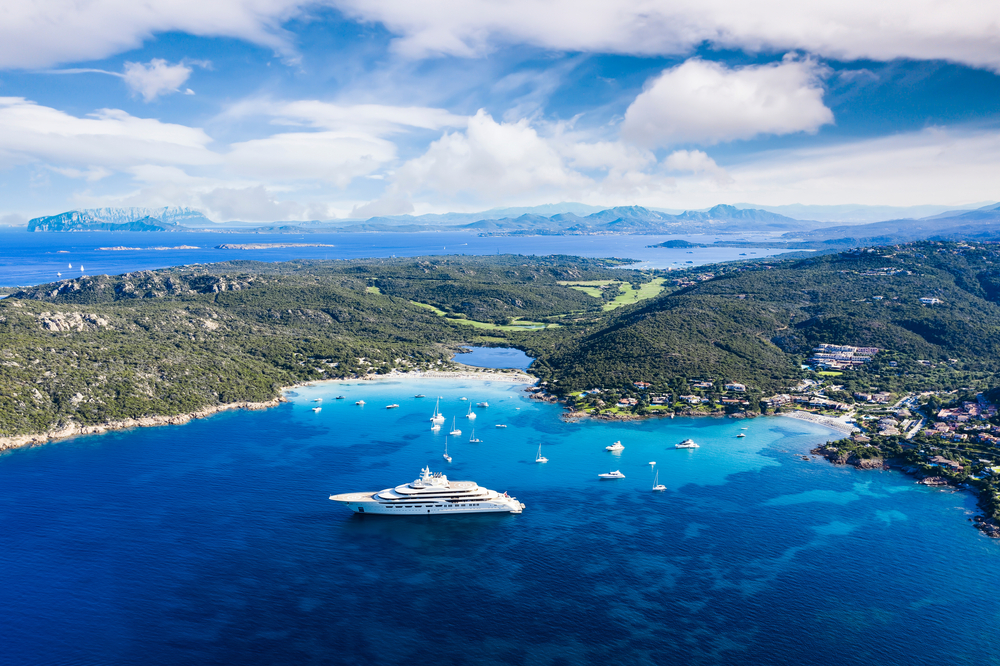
[(495, 357), (215, 543)]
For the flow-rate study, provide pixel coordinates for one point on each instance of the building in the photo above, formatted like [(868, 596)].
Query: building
[(734, 386)]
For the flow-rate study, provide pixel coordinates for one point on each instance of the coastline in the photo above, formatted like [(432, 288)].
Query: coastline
[(76, 429)]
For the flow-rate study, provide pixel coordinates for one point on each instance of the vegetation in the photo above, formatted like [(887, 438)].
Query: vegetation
[(170, 341)]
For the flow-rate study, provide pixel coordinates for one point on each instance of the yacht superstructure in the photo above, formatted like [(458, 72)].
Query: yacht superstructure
[(431, 493)]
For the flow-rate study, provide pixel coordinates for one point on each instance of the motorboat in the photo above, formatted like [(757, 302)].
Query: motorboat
[(420, 395), (317, 409), (686, 444), (340, 397), (483, 404), (392, 406), (500, 425), (742, 434), (617, 446), (360, 402), (612, 475)]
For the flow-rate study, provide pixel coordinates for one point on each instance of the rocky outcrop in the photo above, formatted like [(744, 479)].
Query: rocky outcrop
[(865, 463), (935, 481), (74, 429), (987, 526)]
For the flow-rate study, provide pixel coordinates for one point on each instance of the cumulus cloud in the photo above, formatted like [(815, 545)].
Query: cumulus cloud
[(962, 30), (155, 78), (696, 161), (705, 102), (490, 160)]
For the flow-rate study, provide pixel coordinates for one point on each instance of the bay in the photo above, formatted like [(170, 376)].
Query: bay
[(215, 543), (35, 258)]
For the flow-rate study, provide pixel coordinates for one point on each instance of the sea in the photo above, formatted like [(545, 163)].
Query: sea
[(215, 542), (36, 258)]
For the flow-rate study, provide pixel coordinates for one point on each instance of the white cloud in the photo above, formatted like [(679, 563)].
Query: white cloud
[(107, 139), (373, 119), (491, 161), (334, 157), (704, 102), (156, 78), (960, 30), (42, 33), (696, 161), (257, 204)]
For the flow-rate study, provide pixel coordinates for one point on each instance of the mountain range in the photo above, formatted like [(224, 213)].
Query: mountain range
[(168, 218)]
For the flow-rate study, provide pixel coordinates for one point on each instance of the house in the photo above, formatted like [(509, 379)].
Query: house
[(703, 385), (734, 386), (930, 300), (641, 385), (693, 399)]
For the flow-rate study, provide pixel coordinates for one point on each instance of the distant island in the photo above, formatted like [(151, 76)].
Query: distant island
[(267, 246)]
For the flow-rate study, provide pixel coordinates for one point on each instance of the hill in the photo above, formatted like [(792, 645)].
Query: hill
[(169, 218)]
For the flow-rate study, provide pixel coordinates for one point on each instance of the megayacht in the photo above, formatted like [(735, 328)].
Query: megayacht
[(431, 493)]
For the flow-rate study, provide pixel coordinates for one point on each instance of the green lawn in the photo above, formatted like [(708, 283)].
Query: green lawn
[(518, 324), (627, 296), (829, 374), (373, 290)]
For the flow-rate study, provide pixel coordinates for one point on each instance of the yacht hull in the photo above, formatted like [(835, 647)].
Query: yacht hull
[(367, 503)]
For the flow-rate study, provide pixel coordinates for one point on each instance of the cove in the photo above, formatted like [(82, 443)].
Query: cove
[(214, 543)]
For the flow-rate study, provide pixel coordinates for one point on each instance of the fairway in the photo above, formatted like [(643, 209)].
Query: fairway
[(627, 296)]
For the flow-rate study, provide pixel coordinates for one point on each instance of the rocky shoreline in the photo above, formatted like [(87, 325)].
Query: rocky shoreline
[(987, 526), (76, 429)]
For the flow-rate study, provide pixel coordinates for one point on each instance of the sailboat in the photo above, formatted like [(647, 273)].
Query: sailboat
[(437, 417), (539, 458), (446, 456), (656, 482), (471, 415), (454, 430), (474, 439)]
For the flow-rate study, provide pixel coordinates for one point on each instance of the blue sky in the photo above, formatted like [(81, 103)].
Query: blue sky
[(282, 109)]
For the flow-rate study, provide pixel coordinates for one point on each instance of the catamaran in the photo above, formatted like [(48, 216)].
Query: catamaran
[(539, 458)]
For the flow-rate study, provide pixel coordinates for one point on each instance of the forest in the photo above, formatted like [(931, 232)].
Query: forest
[(174, 340)]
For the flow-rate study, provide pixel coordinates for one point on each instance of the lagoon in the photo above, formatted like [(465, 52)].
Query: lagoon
[(505, 358), (215, 543)]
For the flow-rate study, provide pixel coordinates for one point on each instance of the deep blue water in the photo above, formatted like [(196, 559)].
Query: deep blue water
[(36, 258), (495, 357), (215, 543)]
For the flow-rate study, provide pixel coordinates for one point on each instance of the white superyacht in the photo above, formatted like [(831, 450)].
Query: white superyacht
[(431, 493)]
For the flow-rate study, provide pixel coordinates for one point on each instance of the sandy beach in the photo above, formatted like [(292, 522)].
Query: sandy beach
[(837, 423)]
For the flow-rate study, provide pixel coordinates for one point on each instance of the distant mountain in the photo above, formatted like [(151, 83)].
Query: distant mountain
[(169, 218), (859, 213), (979, 224)]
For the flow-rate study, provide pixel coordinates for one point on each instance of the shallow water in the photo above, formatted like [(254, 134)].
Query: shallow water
[(215, 543)]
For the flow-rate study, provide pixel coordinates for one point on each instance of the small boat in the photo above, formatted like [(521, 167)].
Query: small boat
[(360, 402), (317, 409), (617, 446), (454, 430), (686, 444), (741, 435), (446, 456), (500, 425), (656, 482), (482, 404), (744, 428), (437, 416), (539, 458), (340, 397), (473, 439), (652, 463), (612, 475), (317, 399), (435, 427), (471, 415), (392, 406), (463, 398), (420, 395)]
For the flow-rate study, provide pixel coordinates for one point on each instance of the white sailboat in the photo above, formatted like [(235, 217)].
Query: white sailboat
[(473, 439), (656, 482), (539, 458), (446, 456), (437, 416), (454, 430), (471, 415)]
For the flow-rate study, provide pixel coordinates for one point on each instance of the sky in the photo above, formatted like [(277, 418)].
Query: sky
[(263, 110)]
